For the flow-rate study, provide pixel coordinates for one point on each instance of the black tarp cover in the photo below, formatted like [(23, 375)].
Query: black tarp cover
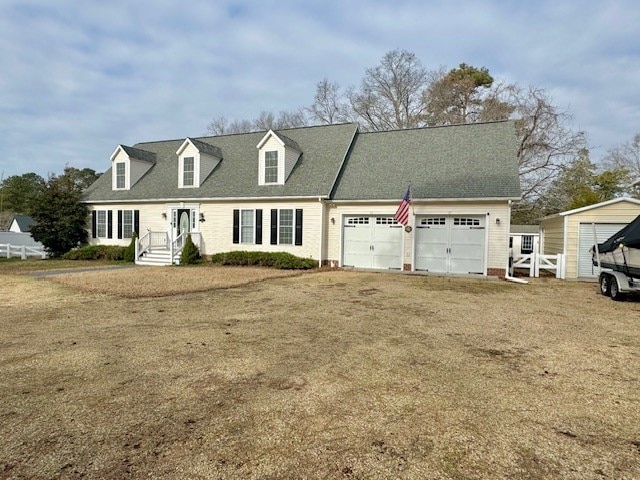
[(629, 236)]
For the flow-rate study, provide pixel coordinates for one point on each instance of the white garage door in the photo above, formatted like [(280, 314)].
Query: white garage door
[(372, 242), (450, 244), (586, 241)]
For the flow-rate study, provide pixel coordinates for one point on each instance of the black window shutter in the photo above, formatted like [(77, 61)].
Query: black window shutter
[(136, 222), (93, 224), (298, 239), (236, 226), (274, 226), (109, 223), (119, 223), (259, 227)]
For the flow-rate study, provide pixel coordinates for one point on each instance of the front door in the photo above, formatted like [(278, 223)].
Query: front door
[(184, 221)]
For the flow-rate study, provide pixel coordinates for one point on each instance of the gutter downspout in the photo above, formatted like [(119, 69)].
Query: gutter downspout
[(322, 231)]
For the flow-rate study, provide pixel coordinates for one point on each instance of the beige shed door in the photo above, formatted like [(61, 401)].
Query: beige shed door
[(586, 240)]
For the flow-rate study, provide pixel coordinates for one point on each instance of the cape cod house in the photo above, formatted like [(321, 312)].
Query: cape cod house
[(325, 192)]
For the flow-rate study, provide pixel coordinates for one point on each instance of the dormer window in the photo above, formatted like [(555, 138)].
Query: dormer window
[(271, 167), (277, 156), (196, 161), (121, 175), (129, 165), (188, 170)]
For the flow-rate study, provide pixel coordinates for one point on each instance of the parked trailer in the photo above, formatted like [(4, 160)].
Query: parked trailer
[(618, 259)]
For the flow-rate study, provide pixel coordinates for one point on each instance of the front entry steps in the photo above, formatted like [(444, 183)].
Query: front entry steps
[(157, 257)]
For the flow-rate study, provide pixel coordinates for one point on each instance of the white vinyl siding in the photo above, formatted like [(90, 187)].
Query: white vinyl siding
[(271, 167), (247, 224)]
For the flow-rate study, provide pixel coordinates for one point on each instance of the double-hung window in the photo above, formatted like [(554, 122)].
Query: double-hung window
[(271, 167), (127, 223), (101, 223), (247, 234), (285, 227), (188, 171), (120, 175)]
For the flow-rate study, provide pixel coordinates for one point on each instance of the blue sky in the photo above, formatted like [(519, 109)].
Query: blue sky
[(80, 77)]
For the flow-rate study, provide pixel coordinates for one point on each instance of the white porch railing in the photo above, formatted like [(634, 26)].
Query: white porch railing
[(178, 244), (162, 241), (7, 250), (534, 262), (151, 240)]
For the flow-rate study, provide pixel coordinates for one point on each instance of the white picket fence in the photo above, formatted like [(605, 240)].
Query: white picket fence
[(8, 251), (535, 262)]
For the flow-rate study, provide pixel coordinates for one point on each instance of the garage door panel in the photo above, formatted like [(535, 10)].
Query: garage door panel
[(372, 242), (586, 240), (450, 244), (431, 248)]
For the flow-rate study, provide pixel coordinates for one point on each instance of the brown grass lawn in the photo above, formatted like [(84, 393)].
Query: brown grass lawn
[(322, 375)]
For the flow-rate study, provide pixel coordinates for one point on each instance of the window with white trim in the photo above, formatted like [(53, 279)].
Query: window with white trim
[(121, 175), (358, 221), (247, 233), (527, 244), (386, 221), (271, 167), (127, 223), (101, 223), (188, 172), (285, 227)]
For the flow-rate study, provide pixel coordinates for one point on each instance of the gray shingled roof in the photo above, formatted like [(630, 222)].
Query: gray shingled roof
[(139, 154), (206, 148), (288, 142), (463, 161), (25, 222), (323, 149)]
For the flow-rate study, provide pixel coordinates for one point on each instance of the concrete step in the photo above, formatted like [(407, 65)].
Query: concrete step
[(155, 258)]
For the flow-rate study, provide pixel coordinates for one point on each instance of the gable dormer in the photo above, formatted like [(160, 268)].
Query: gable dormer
[(196, 161), (128, 165), (277, 155)]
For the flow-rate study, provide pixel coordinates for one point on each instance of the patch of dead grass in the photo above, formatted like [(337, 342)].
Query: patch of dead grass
[(140, 282), (326, 375)]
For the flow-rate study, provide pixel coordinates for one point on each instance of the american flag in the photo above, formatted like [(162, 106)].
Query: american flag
[(402, 214)]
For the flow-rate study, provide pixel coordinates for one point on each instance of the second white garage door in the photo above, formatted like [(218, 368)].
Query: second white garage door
[(450, 244), (372, 242)]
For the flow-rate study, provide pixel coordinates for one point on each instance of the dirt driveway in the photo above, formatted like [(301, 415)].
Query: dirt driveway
[(322, 375)]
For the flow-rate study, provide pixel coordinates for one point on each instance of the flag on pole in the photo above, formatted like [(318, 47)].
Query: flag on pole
[(402, 214)]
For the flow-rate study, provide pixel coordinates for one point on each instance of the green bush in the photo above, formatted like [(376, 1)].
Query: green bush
[(280, 260), (130, 250), (96, 252), (190, 254)]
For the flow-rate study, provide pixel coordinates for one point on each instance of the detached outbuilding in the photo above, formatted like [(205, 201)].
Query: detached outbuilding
[(574, 232)]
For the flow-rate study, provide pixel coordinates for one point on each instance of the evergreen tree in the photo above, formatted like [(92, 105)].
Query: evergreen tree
[(60, 218)]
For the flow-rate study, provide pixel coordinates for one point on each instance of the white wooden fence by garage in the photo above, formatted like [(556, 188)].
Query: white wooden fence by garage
[(535, 262), (8, 251)]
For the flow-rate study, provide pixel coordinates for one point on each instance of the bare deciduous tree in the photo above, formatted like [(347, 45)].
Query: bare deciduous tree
[(391, 94), (329, 104)]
